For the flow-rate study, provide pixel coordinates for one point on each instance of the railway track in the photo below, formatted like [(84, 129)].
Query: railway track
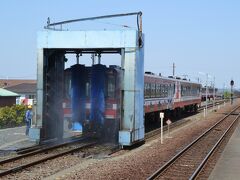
[(189, 162), (210, 105), (50, 144), (38, 154), (21, 162)]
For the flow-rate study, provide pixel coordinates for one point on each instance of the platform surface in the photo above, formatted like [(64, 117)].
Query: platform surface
[(228, 166), (14, 138)]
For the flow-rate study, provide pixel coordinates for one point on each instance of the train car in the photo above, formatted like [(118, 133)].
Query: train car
[(169, 95), (210, 93), (102, 111), (99, 109)]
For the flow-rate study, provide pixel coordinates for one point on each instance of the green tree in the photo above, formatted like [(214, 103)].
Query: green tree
[(227, 95), (12, 116)]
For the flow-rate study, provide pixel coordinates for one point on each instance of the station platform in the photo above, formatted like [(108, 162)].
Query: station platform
[(14, 138), (228, 166)]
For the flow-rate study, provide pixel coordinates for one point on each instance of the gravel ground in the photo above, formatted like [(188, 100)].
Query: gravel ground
[(135, 164), (50, 167), (142, 162)]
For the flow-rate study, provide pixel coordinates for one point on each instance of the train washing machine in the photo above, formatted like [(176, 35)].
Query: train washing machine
[(52, 46)]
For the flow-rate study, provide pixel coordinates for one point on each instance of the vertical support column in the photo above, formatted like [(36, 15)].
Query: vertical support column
[(53, 96), (132, 124), (34, 132), (129, 90), (60, 58), (40, 61), (139, 95)]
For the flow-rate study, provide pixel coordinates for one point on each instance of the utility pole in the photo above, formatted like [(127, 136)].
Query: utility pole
[(214, 93), (174, 69), (224, 92), (206, 93), (232, 84)]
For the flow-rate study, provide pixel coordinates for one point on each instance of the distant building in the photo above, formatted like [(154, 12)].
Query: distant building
[(5, 83), (7, 98), (25, 88)]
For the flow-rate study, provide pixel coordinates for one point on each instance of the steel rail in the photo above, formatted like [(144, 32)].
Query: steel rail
[(24, 166), (203, 163), (56, 142), (4, 161), (171, 161), (211, 104)]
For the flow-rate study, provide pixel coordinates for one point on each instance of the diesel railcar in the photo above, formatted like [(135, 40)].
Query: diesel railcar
[(98, 104), (210, 93), (169, 94), (92, 99)]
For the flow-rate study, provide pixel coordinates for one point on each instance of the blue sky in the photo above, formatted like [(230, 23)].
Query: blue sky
[(199, 36)]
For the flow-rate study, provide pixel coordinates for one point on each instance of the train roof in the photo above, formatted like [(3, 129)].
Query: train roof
[(170, 78)]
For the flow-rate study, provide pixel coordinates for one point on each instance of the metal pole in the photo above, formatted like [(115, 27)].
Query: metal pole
[(93, 58), (94, 18), (214, 93), (168, 130), (174, 69), (99, 58), (206, 93), (161, 117), (161, 130), (232, 84), (77, 58)]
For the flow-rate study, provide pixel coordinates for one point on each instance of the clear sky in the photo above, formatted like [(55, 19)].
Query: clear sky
[(199, 36)]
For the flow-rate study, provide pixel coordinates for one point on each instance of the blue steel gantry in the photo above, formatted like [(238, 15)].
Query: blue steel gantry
[(52, 45)]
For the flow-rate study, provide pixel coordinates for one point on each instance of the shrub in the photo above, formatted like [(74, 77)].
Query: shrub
[(12, 116)]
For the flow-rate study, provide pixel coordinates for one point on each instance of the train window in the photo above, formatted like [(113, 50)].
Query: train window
[(185, 90), (162, 91), (153, 90), (156, 90), (182, 93), (165, 91), (159, 90), (170, 90), (173, 89), (147, 93), (145, 90), (149, 90), (111, 87)]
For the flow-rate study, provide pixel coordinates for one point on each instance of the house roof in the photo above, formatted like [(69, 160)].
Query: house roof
[(4, 92), (23, 88), (4, 83)]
